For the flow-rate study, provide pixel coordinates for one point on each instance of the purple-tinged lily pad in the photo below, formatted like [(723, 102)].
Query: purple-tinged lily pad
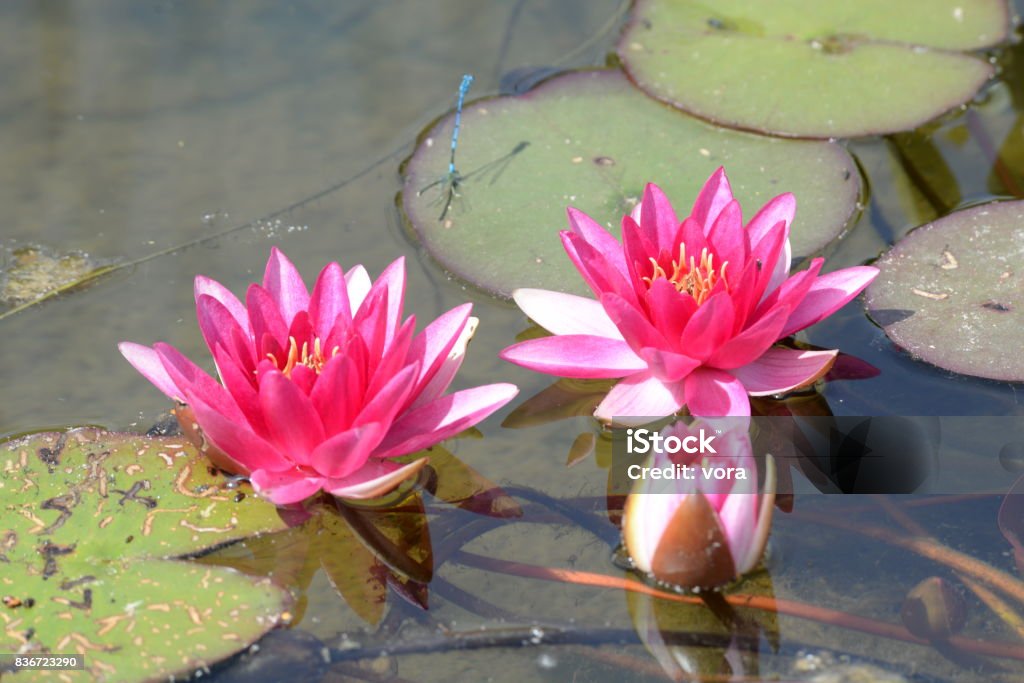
[(807, 68), (92, 522), (952, 292), (591, 140)]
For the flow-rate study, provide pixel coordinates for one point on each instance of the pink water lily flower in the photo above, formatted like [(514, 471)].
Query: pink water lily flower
[(687, 313), (321, 390), (702, 531)]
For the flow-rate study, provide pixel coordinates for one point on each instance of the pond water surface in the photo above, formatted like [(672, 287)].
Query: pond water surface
[(129, 129)]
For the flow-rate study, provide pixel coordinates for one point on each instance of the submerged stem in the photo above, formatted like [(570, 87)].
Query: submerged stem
[(998, 606), (790, 607)]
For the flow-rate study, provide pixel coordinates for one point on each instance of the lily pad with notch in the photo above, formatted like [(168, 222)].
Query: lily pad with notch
[(806, 68), (958, 286), (591, 140), (94, 522)]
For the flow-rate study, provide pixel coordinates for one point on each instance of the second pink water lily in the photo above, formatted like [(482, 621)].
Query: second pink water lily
[(687, 312), (322, 389)]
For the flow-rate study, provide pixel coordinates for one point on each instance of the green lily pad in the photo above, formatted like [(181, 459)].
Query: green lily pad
[(952, 292), (91, 520), (808, 68), (591, 140)]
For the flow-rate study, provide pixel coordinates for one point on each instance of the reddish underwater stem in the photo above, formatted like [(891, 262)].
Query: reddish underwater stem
[(782, 606)]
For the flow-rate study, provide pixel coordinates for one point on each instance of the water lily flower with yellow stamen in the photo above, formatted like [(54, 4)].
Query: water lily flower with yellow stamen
[(321, 390), (687, 313)]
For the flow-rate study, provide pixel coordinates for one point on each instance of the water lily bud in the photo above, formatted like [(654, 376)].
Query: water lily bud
[(933, 610), (700, 532)]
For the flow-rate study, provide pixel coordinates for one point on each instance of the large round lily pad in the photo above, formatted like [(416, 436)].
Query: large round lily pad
[(591, 140), (952, 292), (89, 518), (809, 68)]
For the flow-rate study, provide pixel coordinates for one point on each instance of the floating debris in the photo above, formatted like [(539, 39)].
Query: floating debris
[(30, 273)]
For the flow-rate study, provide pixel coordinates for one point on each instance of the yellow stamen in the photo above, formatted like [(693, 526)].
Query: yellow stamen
[(315, 361), (696, 278)]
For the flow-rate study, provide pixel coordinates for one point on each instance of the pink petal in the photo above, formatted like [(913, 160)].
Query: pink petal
[(445, 417), (712, 198), (395, 358), (658, 218), (358, 282), (639, 250), (190, 378), (240, 385), (304, 378), (560, 313), (792, 291), (641, 396), (432, 346), (266, 321), (301, 329), (828, 294), (283, 282), (668, 366), (346, 452), (751, 343), (220, 328), (338, 393), (292, 421), (780, 209), (691, 233), (649, 510), (376, 478), (284, 488), (389, 400), (709, 328), (147, 362), (205, 286), (370, 323), (727, 239), (738, 518), (773, 253), (716, 393), (598, 267), (635, 327), (575, 355), (393, 279), (764, 519), (781, 270), (599, 238), (329, 300), (749, 288), (236, 440), (669, 309), (780, 370), (439, 383)]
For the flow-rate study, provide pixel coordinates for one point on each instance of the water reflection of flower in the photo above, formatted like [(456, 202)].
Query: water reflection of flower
[(695, 643), (688, 314), (320, 390), (368, 549)]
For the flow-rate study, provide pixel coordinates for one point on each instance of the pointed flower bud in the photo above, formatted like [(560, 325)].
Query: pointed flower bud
[(705, 530)]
